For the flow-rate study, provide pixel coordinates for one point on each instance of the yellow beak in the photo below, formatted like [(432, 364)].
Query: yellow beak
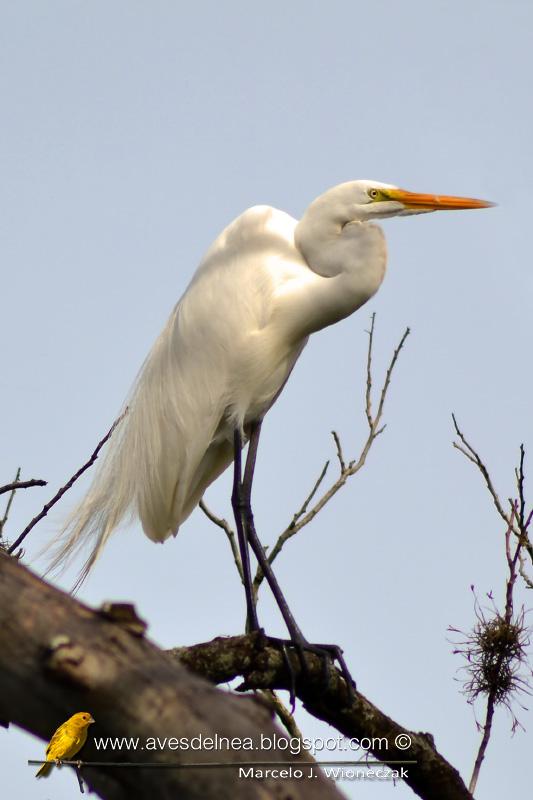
[(435, 202)]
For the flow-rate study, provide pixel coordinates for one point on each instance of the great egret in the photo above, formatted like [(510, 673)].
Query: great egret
[(266, 284)]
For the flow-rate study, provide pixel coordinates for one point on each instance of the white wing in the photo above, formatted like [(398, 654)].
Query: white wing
[(219, 363)]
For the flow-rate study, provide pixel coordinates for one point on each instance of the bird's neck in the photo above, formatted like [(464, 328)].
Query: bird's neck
[(317, 237), (352, 259)]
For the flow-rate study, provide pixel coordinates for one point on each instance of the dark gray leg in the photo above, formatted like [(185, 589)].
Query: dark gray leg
[(253, 539), (246, 521), (252, 623)]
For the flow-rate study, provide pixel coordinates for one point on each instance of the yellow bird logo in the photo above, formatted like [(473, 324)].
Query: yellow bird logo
[(66, 741)]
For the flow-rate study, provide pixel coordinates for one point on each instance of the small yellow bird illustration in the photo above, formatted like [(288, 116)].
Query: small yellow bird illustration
[(66, 741)]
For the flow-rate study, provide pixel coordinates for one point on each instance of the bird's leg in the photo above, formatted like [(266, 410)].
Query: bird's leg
[(252, 623), (325, 651), (253, 539)]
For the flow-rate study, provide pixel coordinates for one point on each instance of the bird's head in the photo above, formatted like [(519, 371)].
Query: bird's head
[(82, 719), (363, 201)]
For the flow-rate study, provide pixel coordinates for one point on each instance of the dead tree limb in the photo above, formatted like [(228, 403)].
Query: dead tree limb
[(58, 657), (260, 661)]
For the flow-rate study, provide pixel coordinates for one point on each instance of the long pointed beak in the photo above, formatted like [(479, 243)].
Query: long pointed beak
[(435, 202)]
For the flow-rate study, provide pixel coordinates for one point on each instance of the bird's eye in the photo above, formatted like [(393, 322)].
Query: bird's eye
[(373, 194)]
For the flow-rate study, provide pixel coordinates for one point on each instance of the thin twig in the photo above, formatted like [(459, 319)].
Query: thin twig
[(310, 496), (514, 520), (487, 728), (9, 502), (388, 377), (283, 713), (523, 535), (495, 649), (230, 533), (300, 520), (368, 394), (340, 455), (291, 530), (511, 563), (508, 616), (474, 457), (12, 487), (520, 487), (304, 515), (522, 570), (523, 523), (46, 508)]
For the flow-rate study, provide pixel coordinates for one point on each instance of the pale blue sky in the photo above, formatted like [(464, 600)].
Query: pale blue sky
[(131, 134)]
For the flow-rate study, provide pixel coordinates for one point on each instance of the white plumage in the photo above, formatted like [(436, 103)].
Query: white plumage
[(266, 283)]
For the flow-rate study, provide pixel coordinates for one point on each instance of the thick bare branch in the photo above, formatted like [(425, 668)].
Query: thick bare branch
[(59, 656), (261, 663)]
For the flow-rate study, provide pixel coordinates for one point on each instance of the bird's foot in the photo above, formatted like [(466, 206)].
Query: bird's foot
[(328, 653)]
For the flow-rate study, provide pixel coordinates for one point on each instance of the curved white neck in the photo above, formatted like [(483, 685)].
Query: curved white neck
[(351, 260)]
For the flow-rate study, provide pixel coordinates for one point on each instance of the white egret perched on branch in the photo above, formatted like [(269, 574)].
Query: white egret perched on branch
[(266, 284)]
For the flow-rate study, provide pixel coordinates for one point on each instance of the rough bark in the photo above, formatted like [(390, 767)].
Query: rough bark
[(58, 657), (261, 663)]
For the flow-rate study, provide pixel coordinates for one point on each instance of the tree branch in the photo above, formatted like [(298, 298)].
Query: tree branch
[(12, 487), (514, 522), (59, 657), (8, 508), (504, 662), (305, 515), (260, 661), (300, 520), (468, 451), (230, 533), (46, 508), (495, 648)]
